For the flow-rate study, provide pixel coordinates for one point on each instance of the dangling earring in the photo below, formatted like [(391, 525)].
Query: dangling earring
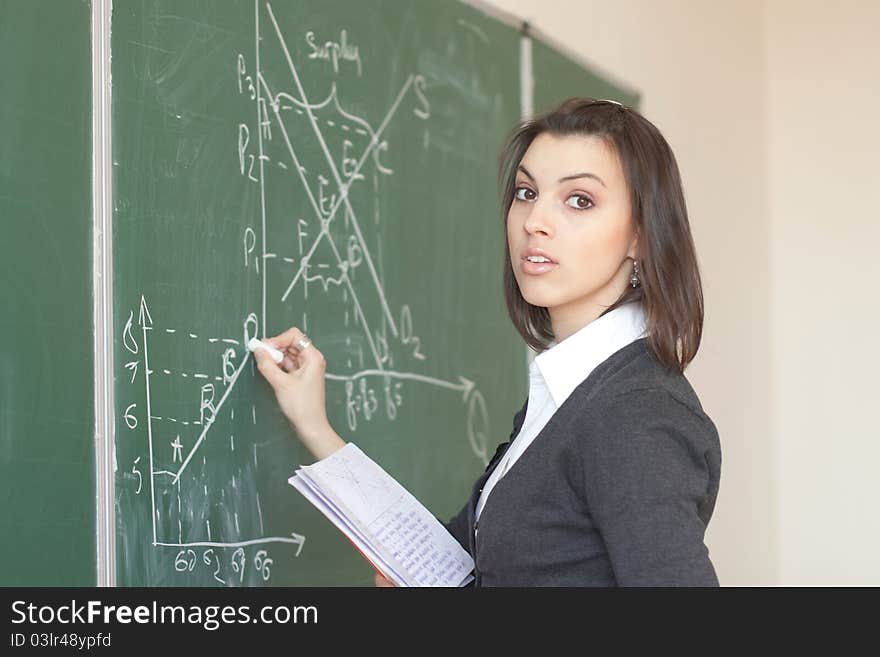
[(634, 277)]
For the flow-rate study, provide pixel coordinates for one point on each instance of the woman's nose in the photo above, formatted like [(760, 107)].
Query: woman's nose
[(540, 218)]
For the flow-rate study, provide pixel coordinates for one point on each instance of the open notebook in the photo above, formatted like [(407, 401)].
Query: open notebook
[(390, 527)]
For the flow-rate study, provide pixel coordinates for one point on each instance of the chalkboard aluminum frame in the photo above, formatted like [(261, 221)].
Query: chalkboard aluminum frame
[(102, 282)]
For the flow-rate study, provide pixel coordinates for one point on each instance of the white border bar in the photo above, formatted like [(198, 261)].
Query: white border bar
[(526, 78), (582, 61), (102, 281), (562, 48)]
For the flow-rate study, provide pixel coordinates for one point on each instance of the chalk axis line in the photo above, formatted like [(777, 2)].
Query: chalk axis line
[(466, 386)]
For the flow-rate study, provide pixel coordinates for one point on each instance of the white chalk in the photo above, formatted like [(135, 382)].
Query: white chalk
[(255, 344)]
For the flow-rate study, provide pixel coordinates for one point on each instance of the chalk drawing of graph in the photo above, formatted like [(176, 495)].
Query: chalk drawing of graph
[(285, 124), (286, 117)]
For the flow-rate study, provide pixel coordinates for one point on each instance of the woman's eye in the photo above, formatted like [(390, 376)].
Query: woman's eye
[(524, 194), (579, 202)]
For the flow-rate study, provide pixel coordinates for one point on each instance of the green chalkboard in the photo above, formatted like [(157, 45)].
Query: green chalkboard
[(47, 444), (328, 165), (558, 76)]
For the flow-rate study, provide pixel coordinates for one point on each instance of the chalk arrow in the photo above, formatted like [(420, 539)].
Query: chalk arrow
[(300, 539), (468, 386), (144, 318)]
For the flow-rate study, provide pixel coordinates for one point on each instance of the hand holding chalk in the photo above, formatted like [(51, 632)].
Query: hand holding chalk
[(297, 377), (256, 343)]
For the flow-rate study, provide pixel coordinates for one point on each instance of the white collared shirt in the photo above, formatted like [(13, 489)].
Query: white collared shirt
[(559, 369)]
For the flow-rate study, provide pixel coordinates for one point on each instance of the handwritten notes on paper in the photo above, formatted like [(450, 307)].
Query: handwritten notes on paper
[(394, 531)]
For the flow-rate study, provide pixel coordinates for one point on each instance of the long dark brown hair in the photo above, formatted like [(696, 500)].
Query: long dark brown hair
[(670, 289)]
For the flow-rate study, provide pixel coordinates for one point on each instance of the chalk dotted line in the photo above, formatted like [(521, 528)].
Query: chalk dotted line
[(330, 123), (196, 337), (194, 375)]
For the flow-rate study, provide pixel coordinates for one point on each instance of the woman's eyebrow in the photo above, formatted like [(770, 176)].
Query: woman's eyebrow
[(583, 175), (564, 178), (526, 171)]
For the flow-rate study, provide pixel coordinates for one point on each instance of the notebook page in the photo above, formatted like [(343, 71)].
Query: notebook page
[(352, 533), (404, 530)]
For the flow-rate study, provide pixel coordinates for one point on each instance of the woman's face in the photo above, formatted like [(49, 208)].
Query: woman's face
[(571, 202)]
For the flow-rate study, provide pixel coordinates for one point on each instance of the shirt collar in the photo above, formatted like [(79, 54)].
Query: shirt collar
[(565, 365)]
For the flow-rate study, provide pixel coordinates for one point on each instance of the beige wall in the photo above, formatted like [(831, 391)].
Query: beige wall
[(823, 93), (701, 69)]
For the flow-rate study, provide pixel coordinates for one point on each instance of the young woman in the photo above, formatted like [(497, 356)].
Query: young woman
[(612, 470)]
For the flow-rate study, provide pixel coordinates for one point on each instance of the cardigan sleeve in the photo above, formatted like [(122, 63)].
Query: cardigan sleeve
[(458, 524), (458, 527), (651, 468)]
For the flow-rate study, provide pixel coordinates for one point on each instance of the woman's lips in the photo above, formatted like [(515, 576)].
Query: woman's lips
[(537, 268)]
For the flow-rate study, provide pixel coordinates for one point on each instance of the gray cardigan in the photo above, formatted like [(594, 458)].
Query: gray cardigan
[(617, 489)]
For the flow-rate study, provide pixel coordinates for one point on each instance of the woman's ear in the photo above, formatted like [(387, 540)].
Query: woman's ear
[(633, 248)]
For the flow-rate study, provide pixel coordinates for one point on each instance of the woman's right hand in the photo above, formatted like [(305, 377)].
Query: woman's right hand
[(298, 382)]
